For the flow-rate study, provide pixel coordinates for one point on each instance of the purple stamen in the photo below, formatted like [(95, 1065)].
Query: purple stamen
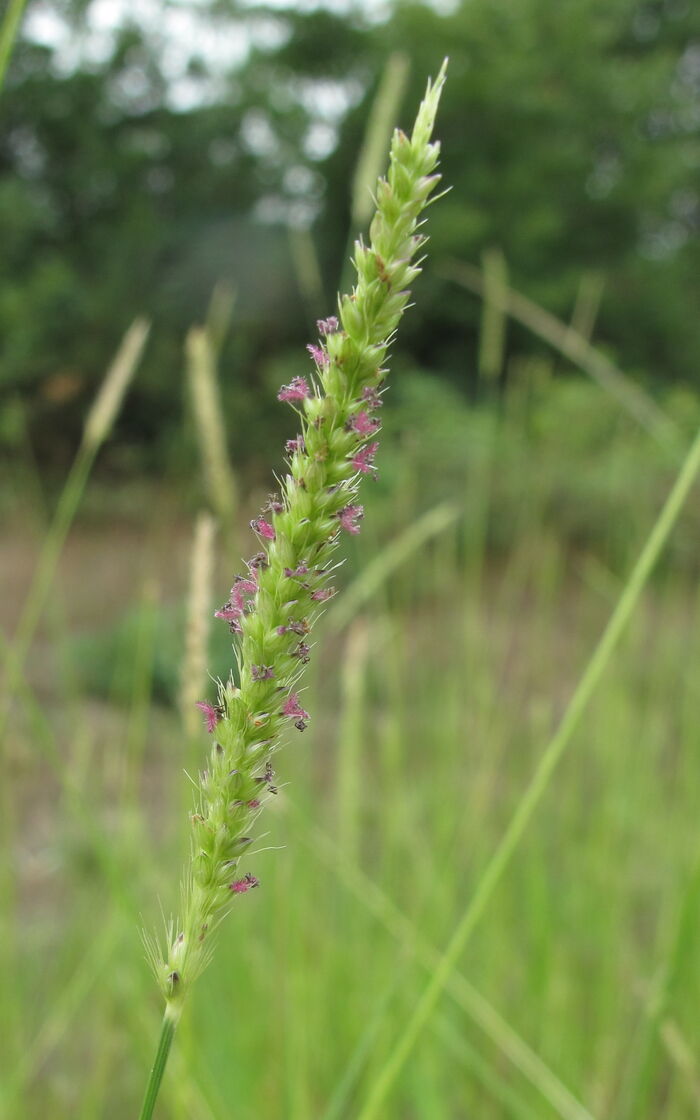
[(293, 709), (295, 573), (349, 517), (297, 390), (319, 355), (245, 884), (292, 446), (327, 326), (263, 528), (363, 423), (212, 714), (371, 397), (262, 672), (363, 460)]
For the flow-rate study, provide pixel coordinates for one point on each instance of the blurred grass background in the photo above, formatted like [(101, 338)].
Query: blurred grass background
[(528, 444)]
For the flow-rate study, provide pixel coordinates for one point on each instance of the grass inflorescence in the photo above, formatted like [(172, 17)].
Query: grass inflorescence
[(456, 647), (275, 602)]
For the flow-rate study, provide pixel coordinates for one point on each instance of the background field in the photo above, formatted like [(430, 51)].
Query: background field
[(523, 462)]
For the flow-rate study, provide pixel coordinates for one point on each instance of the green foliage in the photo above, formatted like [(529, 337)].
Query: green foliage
[(557, 458), (459, 685), (554, 450), (571, 145), (571, 142)]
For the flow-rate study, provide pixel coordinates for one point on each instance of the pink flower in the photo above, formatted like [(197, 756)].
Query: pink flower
[(293, 709), (263, 528), (363, 460), (349, 517), (295, 573), (322, 594), (319, 355), (232, 611), (262, 672), (257, 562), (297, 390), (274, 504), (266, 778), (371, 397), (232, 615), (212, 714), (245, 884), (363, 423), (327, 326), (294, 445), (298, 626)]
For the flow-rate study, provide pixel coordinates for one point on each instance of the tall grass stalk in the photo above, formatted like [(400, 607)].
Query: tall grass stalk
[(8, 33), (14, 653), (539, 783), (115, 863), (307, 269), (588, 300), (194, 663), (350, 765), (388, 560), (683, 930), (574, 346), (370, 162), (219, 315), (65, 1008), (468, 1057), (135, 738), (684, 1059), (209, 425), (273, 607), (337, 1107), (369, 895), (494, 320), (98, 425), (380, 124)]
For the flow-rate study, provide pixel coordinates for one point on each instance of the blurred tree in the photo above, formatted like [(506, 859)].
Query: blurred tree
[(571, 139)]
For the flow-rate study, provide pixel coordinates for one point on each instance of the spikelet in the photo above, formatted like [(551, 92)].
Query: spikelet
[(108, 401), (377, 135), (494, 320), (209, 425), (98, 425), (274, 603), (194, 665)]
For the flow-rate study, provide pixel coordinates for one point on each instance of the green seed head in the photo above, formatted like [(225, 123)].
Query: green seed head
[(273, 606)]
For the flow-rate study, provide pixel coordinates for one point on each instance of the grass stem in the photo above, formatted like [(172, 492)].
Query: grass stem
[(539, 783), (97, 428), (167, 1034), (8, 33), (574, 346)]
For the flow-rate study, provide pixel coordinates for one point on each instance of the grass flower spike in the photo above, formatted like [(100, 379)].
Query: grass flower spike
[(274, 604)]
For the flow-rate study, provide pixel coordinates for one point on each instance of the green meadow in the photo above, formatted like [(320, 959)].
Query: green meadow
[(437, 679), (479, 865)]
